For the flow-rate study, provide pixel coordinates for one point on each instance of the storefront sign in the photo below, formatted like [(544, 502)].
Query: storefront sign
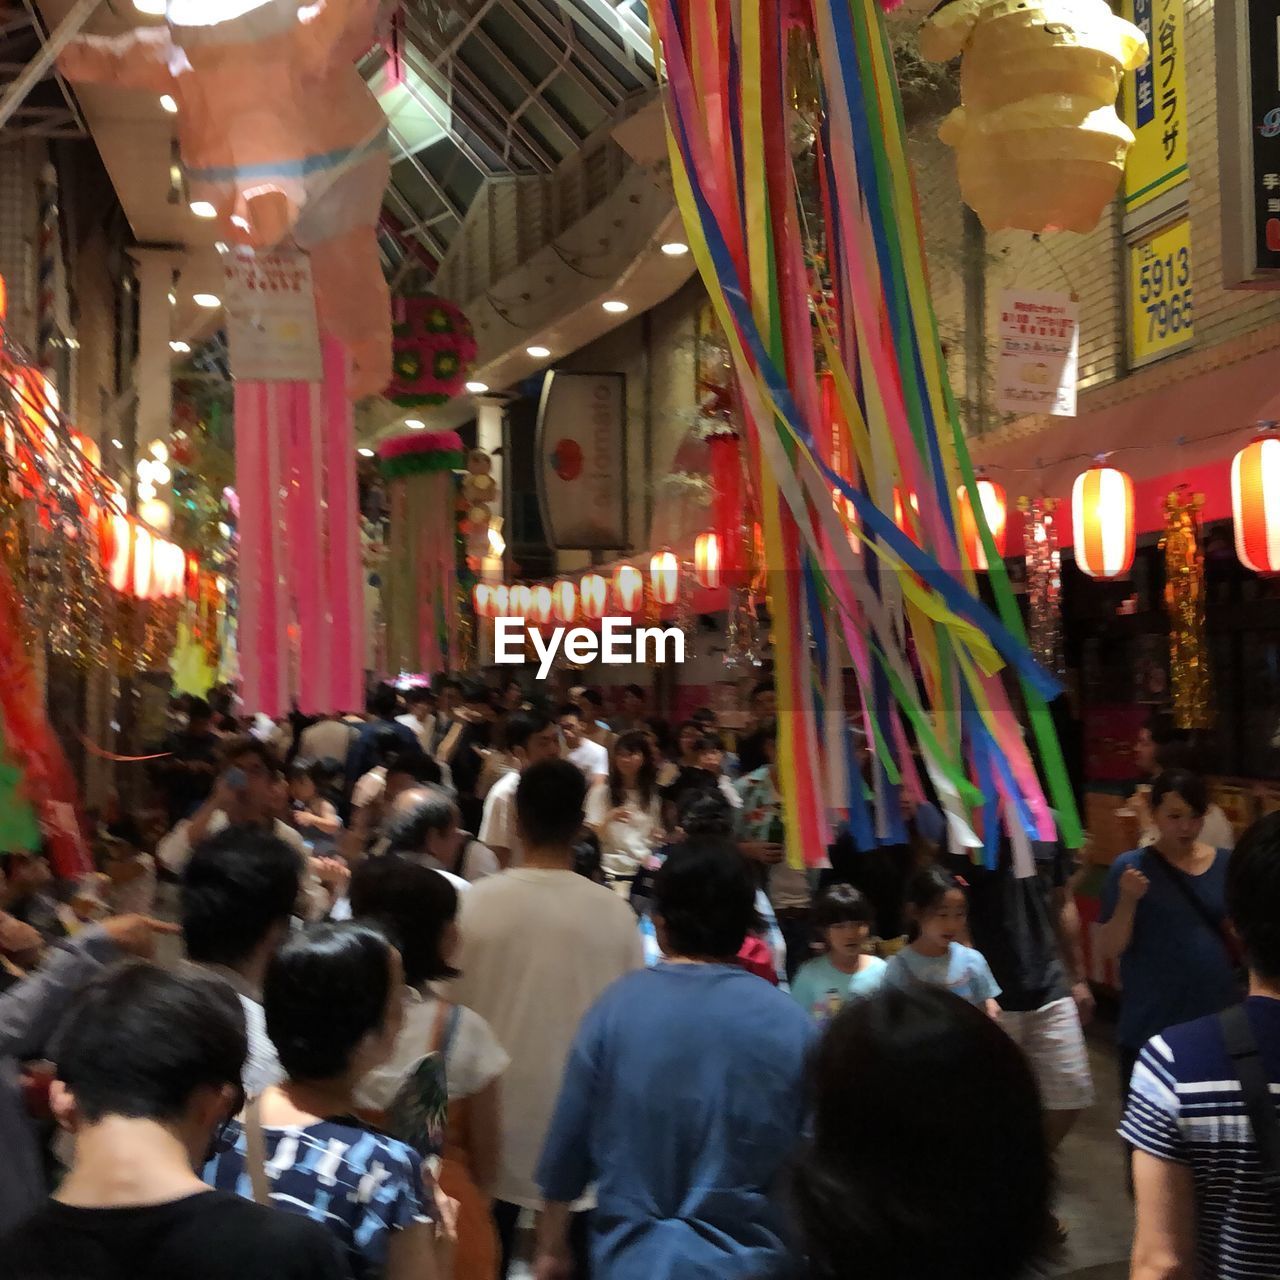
[(1161, 286), (582, 480), (1155, 103), (271, 316), (1249, 140), (1039, 352)]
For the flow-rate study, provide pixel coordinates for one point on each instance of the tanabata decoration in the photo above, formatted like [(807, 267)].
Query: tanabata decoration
[(419, 583), (433, 348), (1184, 602), (1044, 583), (479, 501), (280, 137), (905, 617), (1038, 143)]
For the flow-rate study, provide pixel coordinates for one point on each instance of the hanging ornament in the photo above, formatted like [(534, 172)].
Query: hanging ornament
[(520, 600), (479, 502), (1255, 502), (628, 587), (1184, 602), (482, 600), (708, 561), (1102, 518), (1044, 583), (564, 601), (433, 348), (664, 576), (594, 592), (995, 512), (539, 612)]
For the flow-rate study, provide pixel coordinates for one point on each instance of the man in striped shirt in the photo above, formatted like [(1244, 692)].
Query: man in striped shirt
[(1202, 1206)]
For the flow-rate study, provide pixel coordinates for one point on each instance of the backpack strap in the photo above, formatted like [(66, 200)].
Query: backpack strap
[(1216, 924), (255, 1145), (1242, 1048)]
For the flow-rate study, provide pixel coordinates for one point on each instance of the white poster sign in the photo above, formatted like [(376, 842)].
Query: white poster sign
[(1038, 352), (270, 305)]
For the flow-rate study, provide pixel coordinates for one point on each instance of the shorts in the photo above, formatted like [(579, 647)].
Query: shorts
[(1053, 1040)]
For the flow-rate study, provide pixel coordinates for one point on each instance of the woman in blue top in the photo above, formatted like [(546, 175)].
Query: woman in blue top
[(1164, 918), (683, 1098), (333, 998)]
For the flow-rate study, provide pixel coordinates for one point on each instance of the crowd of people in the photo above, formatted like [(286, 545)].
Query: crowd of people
[(474, 978)]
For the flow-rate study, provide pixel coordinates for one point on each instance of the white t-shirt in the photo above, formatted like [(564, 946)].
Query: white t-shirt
[(591, 758), (423, 729), (623, 845), (538, 949), (498, 826), (473, 1060)]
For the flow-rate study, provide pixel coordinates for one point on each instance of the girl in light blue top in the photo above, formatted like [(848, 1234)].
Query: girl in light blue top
[(939, 915), (826, 983)]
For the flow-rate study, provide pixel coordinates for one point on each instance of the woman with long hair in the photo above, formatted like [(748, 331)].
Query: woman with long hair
[(625, 812)]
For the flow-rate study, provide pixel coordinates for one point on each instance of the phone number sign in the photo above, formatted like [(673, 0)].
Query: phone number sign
[(1161, 293)]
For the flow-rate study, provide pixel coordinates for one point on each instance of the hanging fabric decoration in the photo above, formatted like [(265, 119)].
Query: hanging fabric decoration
[(301, 614), (419, 585), (1044, 583), (871, 323), (432, 351), (1184, 602)]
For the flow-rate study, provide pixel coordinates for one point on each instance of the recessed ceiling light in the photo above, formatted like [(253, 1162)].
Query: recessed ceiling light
[(616, 306), (365, 453), (675, 248), (415, 424), (538, 353), (173, 298), (117, 444), (207, 300), (203, 209), (477, 388), (169, 103), (180, 347)]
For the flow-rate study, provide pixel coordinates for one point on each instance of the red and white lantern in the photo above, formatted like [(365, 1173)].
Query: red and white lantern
[(995, 509), (664, 576), (628, 587), (1255, 504), (540, 605), (594, 592), (564, 601), (708, 560), (1102, 522)]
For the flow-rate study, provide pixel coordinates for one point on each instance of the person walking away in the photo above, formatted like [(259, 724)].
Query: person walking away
[(149, 1066), (683, 1099), (1201, 1115), (879, 1190), (365, 751), (333, 999), (418, 908), (539, 945), (825, 984), (1163, 917), (939, 915)]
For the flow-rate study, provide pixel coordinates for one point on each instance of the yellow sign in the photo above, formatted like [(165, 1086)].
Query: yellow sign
[(1161, 282), (1155, 103)]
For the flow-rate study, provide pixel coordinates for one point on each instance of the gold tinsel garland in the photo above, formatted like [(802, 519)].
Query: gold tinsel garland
[(1184, 601)]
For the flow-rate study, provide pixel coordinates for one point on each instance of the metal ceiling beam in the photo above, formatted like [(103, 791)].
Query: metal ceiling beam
[(430, 240), (609, 20), (566, 54), (533, 93), (556, 16), (455, 137), (50, 47), (424, 173), (501, 116)]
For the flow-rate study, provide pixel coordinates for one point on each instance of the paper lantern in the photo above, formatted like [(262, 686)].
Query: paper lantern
[(482, 600), (995, 508), (594, 592), (519, 600), (501, 601), (1255, 504), (119, 546), (1038, 144), (1102, 522), (564, 601), (628, 587), (664, 576), (707, 560), (539, 612), (142, 563), (432, 351)]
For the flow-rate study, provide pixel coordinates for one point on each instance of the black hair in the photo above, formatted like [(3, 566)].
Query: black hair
[(767, 732), (407, 827), (703, 716), (635, 691), (1253, 895), (935, 1075), (549, 802), (419, 694), (569, 710), (709, 742), (927, 888), (317, 770), (139, 1040), (705, 898), (704, 812), (646, 778), (415, 905), (522, 725), (415, 763), (246, 744), (386, 743), (843, 904), (199, 709), (443, 682), (509, 682), (1187, 786), (384, 701), (761, 686), (327, 988), (236, 887), (593, 696), (474, 692), (661, 731)]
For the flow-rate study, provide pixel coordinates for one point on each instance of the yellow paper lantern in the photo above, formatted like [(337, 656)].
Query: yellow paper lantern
[(1102, 522), (1038, 144)]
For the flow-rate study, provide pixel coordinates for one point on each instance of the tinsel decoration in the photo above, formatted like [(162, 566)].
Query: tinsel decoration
[(1184, 600), (1044, 583)]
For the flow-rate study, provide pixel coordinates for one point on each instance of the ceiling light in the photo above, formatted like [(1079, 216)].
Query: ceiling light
[(173, 298), (365, 453), (117, 444), (154, 8), (675, 249), (169, 103), (203, 209), (180, 348), (538, 353), (207, 300), (415, 424), (615, 306), (477, 388)]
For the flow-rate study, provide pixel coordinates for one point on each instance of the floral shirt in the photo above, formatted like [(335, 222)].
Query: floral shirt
[(789, 888)]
